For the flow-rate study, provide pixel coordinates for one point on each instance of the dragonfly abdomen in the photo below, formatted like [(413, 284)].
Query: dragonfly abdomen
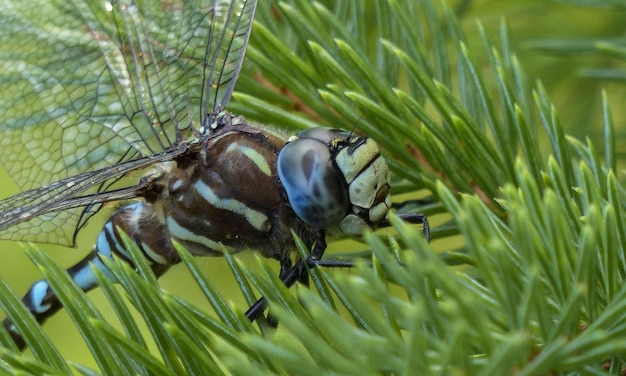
[(143, 226), (139, 222)]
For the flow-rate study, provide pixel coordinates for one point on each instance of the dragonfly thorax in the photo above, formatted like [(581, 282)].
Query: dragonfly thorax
[(229, 195)]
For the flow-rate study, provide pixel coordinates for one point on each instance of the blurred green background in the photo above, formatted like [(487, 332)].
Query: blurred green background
[(555, 43)]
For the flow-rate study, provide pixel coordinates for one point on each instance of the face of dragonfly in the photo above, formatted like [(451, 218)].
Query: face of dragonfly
[(335, 178)]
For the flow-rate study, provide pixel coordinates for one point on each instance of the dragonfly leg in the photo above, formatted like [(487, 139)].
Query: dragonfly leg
[(411, 205), (408, 217), (292, 274), (412, 218), (299, 272)]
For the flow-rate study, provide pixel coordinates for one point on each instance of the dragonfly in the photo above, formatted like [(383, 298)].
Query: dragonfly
[(118, 89)]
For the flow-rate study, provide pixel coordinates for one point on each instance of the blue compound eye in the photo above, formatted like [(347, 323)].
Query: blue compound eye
[(315, 188), (326, 135)]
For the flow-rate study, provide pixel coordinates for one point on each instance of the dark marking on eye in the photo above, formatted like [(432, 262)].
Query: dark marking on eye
[(317, 192), (315, 213), (308, 160)]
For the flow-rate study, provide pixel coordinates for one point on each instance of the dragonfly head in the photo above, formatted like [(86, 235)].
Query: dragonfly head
[(335, 178)]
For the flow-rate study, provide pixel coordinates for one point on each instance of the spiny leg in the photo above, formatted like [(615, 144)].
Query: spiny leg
[(414, 218), (291, 274), (409, 206)]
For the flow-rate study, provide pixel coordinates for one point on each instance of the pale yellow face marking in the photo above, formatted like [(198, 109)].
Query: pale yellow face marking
[(257, 219), (253, 155), (378, 212), (363, 189), (353, 225), (352, 164)]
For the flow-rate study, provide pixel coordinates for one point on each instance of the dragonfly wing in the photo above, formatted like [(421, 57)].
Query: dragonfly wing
[(226, 49), (86, 85), (40, 214)]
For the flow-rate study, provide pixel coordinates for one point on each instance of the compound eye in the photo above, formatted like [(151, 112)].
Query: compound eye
[(315, 189), (325, 135)]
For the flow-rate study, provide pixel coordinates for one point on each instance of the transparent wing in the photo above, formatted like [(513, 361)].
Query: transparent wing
[(87, 85), (226, 51), (35, 215)]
